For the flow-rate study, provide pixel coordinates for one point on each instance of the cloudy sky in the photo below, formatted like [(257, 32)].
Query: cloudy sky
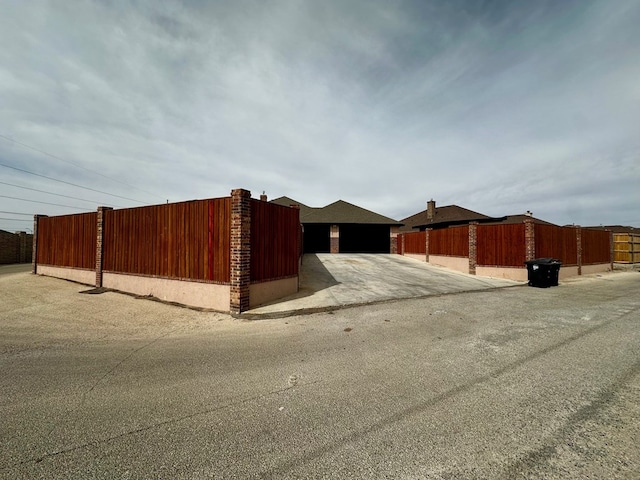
[(497, 106)]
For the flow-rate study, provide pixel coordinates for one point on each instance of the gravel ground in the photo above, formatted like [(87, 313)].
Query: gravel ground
[(512, 383)]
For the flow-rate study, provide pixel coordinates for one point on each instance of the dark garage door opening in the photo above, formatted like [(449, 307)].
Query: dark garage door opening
[(359, 238), (316, 238)]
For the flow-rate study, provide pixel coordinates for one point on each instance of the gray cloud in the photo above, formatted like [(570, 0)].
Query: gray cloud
[(500, 107)]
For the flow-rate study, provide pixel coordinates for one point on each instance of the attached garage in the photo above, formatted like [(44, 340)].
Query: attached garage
[(316, 238), (364, 238), (344, 227)]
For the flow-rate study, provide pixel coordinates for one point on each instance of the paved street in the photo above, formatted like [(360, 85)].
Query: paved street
[(508, 383)]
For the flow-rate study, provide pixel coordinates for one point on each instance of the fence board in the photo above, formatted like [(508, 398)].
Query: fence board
[(275, 241), (626, 248), (556, 242), (68, 241), (415, 242), (500, 245), (596, 246), (453, 241)]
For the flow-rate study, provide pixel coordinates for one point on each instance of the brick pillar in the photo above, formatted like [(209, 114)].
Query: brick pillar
[(529, 239), (22, 247), (612, 248), (473, 247), (579, 245), (240, 250), (34, 251), (393, 232), (334, 239), (427, 233), (99, 245)]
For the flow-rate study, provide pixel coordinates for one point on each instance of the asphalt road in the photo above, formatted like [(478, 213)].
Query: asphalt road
[(510, 383)]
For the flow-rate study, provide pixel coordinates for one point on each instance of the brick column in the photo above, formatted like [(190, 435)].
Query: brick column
[(22, 247), (240, 250), (393, 231), (334, 239), (473, 247), (99, 245), (579, 245), (427, 233), (612, 248), (529, 239), (34, 247)]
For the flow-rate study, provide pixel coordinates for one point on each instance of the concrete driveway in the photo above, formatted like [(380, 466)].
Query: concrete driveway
[(328, 281)]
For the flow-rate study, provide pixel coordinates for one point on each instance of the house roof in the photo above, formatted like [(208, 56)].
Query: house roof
[(443, 216), (337, 212), (520, 218), (287, 202), (618, 229)]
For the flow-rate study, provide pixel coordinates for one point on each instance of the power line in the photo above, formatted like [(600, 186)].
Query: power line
[(44, 203), (17, 213), (69, 183), (77, 165), (56, 194), (15, 219)]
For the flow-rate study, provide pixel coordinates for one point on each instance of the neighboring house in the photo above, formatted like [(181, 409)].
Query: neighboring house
[(618, 229), (344, 227), (520, 218), (442, 217)]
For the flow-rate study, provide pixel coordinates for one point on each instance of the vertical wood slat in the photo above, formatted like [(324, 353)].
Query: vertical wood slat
[(452, 241), (68, 241), (415, 242), (500, 245), (275, 241), (552, 241), (596, 247), (188, 240)]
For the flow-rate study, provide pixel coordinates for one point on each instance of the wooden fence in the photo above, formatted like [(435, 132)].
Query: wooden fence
[(415, 242), (275, 241), (557, 242), (596, 246), (453, 241), (501, 245), (67, 241), (505, 245), (626, 248), (187, 240)]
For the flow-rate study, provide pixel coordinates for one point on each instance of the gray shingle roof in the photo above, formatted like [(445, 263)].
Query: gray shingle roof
[(337, 212), (443, 215)]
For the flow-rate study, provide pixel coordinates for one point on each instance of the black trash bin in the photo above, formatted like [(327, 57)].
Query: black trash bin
[(543, 272)]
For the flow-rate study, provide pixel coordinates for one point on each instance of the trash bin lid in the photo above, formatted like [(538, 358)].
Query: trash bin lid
[(543, 261)]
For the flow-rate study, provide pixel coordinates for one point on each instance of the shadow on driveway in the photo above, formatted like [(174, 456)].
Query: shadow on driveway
[(329, 281)]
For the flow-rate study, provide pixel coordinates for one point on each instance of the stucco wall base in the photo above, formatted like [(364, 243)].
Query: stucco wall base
[(88, 277), (600, 268), (567, 272), (459, 264), (196, 294), (264, 292), (417, 256), (509, 273)]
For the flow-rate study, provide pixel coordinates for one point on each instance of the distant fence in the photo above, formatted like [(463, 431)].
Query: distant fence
[(506, 246), (15, 247), (67, 241), (232, 242), (626, 248)]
